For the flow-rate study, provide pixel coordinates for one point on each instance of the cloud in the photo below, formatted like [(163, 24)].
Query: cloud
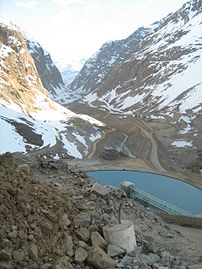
[(26, 4)]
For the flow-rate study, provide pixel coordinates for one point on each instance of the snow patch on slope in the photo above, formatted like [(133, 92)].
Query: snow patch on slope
[(48, 130), (182, 144)]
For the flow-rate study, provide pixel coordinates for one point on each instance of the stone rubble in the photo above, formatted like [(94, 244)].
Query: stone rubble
[(50, 221), (98, 240)]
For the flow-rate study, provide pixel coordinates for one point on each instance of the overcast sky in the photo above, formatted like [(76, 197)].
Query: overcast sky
[(75, 29)]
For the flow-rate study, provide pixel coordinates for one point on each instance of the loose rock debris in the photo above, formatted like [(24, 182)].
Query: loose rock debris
[(50, 220)]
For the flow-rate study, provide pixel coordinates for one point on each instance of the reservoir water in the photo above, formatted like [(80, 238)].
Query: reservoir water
[(176, 192)]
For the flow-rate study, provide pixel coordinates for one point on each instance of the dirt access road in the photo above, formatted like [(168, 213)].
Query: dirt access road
[(142, 142), (94, 146), (146, 131)]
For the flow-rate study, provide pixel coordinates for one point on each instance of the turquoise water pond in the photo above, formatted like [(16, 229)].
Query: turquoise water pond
[(176, 192)]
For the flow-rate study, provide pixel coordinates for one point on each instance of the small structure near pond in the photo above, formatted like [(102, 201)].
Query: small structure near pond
[(137, 194)]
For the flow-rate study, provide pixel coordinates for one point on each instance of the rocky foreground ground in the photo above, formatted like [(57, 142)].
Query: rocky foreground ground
[(52, 218)]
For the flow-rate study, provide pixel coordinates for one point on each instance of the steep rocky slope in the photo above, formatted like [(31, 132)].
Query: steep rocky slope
[(48, 72), (54, 80), (100, 65), (29, 118), (163, 71), (42, 224)]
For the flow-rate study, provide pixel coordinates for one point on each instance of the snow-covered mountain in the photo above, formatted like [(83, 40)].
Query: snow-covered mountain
[(68, 74), (28, 117), (100, 65), (69, 70), (54, 80), (160, 73)]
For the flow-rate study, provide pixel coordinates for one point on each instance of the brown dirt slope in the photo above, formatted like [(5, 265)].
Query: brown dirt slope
[(43, 206)]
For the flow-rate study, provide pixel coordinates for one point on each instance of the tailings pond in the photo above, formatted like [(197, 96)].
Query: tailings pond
[(173, 191)]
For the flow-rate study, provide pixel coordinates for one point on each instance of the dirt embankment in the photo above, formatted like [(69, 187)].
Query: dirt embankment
[(182, 220), (48, 213)]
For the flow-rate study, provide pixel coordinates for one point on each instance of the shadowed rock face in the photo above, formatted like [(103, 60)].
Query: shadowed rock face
[(155, 69), (48, 72), (153, 77), (110, 55)]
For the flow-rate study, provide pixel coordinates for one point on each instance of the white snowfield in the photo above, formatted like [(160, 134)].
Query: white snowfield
[(190, 78), (48, 124), (49, 110)]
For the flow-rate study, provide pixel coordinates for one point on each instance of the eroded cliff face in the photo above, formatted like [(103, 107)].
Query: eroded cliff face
[(48, 72), (20, 82)]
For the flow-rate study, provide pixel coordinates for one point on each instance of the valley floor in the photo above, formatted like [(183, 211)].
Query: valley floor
[(135, 144)]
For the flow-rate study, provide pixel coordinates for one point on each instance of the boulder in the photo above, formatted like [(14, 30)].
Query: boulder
[(166, 258), (98, 240), (33, 252), (80, 255), (69, 246), (25, 168), (60, 266), (82, 220), (63, 263), (99, 259), (4, 255), (64, 222), (127, 261), (153, 247), (46, 227), (18, 255), (114, 251), (83, 234), (149, 259), (100, 190)]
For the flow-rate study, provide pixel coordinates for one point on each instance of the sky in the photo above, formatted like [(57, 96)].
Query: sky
[(71, 30)]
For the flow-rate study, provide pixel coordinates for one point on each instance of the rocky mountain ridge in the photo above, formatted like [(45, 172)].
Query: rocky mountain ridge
[(162, 73), (28, 116), (48, 72), (53, 79), (159, 83), (153, 71), (100, 65)]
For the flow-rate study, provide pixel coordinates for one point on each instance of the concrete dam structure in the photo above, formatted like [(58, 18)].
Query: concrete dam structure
[(137, 194)]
